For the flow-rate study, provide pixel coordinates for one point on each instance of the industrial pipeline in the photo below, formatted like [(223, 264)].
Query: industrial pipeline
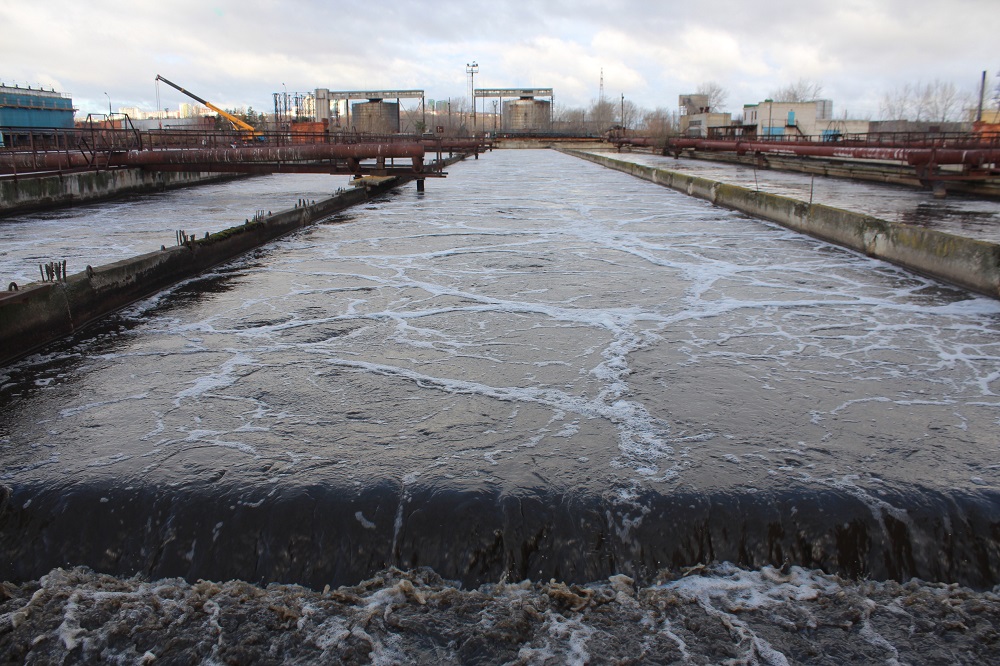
[(214, 159), (914, 156), (972, 264)]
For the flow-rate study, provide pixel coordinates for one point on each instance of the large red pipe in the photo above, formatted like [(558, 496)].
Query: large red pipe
[(195, 156), (912, 156), (456, 145)]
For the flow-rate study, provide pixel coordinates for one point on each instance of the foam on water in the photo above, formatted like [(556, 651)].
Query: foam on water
[(576, 332), (959, 214), (102, 233), (722, 614)]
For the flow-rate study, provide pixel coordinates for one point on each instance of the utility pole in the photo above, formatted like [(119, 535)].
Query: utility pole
[(472, 69), (982, 94)]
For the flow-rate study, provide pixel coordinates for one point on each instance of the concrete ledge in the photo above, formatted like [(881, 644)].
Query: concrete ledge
[(41, 312), (966, 262), (27, 193)]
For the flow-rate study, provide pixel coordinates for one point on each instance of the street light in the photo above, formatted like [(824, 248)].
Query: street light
[(472, 69), (109, 106)]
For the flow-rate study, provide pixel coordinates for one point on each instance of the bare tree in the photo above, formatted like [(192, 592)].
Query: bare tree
[(936, 101), (601, 114), (569, 119), (940, 100), (896, 104), (802, 90), (717, 95), (629, 113), (659, 122)]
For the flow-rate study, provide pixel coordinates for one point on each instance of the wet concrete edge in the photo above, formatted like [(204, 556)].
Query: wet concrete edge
[(969, 263), (317, 534)]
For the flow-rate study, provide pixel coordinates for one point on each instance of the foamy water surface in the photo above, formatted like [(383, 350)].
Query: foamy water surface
[(531, 326), (963, 215)]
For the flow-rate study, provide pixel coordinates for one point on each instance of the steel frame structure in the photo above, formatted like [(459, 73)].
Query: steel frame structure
[(977, 156), (507, 93), (99, 148)]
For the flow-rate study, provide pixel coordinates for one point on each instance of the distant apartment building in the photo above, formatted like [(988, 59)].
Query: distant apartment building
[(33, 108), (185, 111), (798, 120)]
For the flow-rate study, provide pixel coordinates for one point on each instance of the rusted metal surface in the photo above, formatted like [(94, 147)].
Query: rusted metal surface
[(977, 157), (458, 145), (316, 152), (253, 153)]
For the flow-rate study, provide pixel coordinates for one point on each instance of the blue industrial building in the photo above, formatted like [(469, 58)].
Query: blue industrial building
[(25, 107)]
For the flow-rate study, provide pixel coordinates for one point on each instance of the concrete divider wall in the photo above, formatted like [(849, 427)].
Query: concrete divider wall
[(41, 312), (966, 262), (34, 193)]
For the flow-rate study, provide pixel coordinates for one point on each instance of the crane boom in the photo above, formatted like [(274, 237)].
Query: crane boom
[(239, 124)]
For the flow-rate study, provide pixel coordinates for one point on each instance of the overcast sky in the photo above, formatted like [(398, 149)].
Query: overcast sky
[(237, 53)]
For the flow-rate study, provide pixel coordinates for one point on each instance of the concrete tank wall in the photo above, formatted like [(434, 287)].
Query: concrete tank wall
[(966, 262), (527, 115), (27, 193), (375, 117), (41, 312)]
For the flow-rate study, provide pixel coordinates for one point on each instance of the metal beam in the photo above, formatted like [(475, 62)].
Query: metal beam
[(344, 169), (513, 92), (912, 156), (197, 157), (376, 94)]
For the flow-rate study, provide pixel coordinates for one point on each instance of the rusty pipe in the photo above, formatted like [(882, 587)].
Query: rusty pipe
[(912, 156), (454, 144), (251, 154), (638, 141), (28, 161)]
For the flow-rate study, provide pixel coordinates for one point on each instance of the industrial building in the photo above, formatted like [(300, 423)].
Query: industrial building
[(791, 120), (787, 120), (697, 119), (27, 107), (525, 113), (375, 115)]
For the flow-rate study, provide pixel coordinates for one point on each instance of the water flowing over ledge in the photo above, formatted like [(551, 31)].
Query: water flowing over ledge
[(571, 376)]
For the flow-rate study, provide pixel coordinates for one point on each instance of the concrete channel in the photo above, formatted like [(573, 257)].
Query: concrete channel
[(31, 193), (35, 314), (969, 263)]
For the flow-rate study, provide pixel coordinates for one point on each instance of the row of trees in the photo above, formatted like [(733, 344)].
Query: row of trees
[(935, 101)]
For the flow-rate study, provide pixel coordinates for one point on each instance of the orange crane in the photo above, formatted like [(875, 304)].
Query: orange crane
[(237, 123)]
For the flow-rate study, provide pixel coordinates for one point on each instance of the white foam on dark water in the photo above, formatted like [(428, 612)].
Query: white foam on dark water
[(720, 614), (957, 213), (526, 295), (102, 233), (534, 319)]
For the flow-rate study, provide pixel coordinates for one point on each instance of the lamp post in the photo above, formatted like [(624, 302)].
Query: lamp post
[(472, 69), (109, 106)]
